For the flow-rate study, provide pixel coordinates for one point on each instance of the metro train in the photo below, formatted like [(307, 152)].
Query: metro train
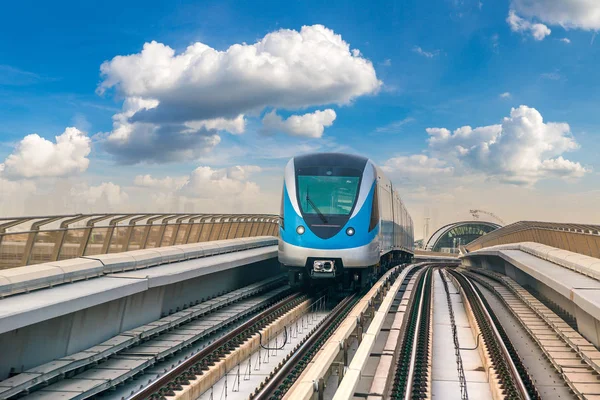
[(341, 222)]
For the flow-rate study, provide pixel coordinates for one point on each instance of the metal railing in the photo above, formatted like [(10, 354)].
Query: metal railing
[(35, 240), (578, 238)]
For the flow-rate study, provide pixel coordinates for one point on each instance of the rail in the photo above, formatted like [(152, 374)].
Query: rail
[(276, 386), (40, 239), (412, 380), (511, 373), (578, 238), (195, 365)]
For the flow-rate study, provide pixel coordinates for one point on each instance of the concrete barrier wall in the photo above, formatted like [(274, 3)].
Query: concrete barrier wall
[(562, 292), (32, 345)]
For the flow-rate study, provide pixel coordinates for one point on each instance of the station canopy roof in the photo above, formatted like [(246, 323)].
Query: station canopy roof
[(459, 234)]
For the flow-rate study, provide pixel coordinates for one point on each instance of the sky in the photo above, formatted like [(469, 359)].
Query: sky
[(182, 106)]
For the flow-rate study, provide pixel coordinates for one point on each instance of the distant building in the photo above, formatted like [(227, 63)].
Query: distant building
[(450, 237)]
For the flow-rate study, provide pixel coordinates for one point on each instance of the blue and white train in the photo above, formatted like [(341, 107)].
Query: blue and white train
[(341, 220)]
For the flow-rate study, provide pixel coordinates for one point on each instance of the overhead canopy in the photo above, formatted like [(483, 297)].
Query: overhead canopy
[(459, 234)]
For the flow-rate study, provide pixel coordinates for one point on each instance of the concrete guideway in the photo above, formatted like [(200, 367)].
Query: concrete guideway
[(568, 279), (145, 345), (445, 379), (574, 358), (56, 322), (319, 369), (525, 303), (47, 275)]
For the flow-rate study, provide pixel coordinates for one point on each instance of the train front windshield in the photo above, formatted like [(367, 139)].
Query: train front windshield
[(327, 195)]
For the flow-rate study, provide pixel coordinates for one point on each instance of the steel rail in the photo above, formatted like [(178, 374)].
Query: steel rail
[(517, 378), (182, 368), (413, 355), (268, 391)]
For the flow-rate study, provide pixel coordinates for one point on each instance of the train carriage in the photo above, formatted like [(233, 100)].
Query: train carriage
[(341, 221)]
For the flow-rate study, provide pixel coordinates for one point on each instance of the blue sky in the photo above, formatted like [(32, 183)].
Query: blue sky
[(440, 64)]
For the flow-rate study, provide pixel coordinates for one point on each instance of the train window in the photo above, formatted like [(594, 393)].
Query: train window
[(374, 211), (327, 195)]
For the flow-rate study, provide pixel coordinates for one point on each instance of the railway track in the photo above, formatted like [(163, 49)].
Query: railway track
[(128, 355), (412, 378), (278, 385), (574, 358), (398, 313), (197, 365), (512, 378)]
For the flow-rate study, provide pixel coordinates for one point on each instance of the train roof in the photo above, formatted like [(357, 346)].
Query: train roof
[(331, 159)]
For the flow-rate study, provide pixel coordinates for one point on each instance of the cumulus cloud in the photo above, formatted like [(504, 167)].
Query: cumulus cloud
[(35, 156), (163, 183), (133, 142), (207, 189), (505, 95), (183, 99), (209, 183), (13, 195), (521, 150), (518, 24), (235, 126), (416, 166), (570, 14), (242, 172), (565, 40), (309, 125), (106, 196)]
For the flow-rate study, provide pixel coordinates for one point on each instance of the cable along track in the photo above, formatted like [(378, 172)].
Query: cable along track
[(196, 365), (279, 383), (573, 356), (464, 395), (511, 374)]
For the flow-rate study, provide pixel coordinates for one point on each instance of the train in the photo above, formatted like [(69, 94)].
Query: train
[(342, 223)]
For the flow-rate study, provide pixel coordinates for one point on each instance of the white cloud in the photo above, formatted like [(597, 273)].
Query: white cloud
[(505, 95), (181, 100), (133, 142), (428, 54), (242, 172), (164, 183), (309, 125), (518, 24), (13, 196), (521, 150), (570, 14), (104, 197), (416, 166), (208, 190), (36, 157), (235, 126), (387, 62), (565, 40)]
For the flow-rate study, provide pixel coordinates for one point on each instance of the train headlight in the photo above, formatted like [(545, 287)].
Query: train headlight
[(300, 230), (350, 231)]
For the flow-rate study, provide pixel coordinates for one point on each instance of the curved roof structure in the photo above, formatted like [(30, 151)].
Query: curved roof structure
[(459, 234)]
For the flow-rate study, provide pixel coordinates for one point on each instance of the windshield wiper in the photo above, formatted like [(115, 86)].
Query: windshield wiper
[(314, 206)]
